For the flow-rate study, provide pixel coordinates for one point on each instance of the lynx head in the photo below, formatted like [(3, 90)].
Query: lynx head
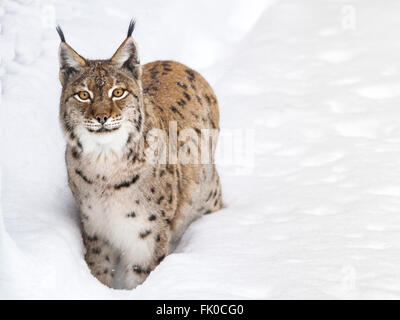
[(101, 103)]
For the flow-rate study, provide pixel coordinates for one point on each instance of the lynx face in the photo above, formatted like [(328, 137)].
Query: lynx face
[(101, 102)]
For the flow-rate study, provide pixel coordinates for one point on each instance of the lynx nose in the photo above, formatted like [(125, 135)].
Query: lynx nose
[(101, 117)]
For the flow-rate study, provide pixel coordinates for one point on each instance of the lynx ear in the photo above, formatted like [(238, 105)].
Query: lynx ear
[(70, 61), (126, 57)]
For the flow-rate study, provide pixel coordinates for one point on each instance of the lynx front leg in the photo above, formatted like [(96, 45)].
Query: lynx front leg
[(101, 259), (151, 249)]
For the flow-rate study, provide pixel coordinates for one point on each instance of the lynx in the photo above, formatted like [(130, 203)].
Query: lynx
[(133, 211)]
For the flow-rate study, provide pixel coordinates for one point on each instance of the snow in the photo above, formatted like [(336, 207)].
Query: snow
[(309, 153)]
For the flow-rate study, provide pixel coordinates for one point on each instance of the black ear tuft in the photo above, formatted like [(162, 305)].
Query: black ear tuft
[(60, 33), (131, 27)]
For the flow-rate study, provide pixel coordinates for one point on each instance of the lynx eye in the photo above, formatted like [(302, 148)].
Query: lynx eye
[(119, 93), (82, 95)]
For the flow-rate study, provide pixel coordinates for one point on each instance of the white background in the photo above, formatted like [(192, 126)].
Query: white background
[(312, 200)]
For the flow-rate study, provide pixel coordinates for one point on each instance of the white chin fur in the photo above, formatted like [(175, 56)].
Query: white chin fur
[(104, 142)]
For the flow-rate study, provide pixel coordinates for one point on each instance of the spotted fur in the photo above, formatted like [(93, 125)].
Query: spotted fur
[(133, 212)]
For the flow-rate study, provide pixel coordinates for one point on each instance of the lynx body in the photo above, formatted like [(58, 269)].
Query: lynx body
[(132, 210)]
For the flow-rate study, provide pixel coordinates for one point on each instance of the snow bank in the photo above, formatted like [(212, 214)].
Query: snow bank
[(313, 87)]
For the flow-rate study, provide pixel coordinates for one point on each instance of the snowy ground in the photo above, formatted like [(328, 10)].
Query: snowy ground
[(313, 209)]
